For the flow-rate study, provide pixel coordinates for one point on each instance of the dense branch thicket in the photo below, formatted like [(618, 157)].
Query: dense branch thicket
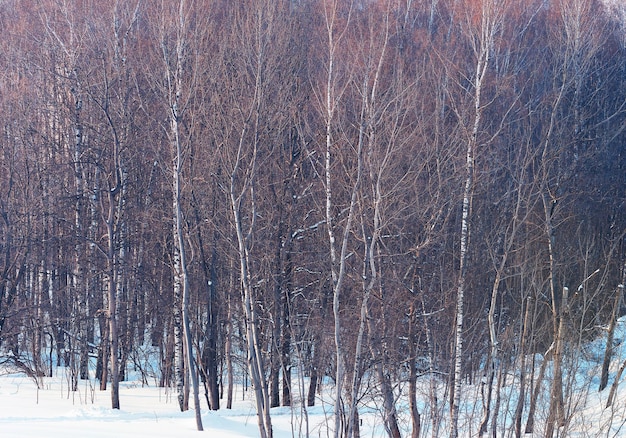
[(365, 191)]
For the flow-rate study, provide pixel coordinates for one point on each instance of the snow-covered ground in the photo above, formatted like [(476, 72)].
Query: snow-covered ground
[(53, 411), (148, 411)]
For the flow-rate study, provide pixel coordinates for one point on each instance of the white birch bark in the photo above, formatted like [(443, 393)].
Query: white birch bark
[(112, 290), (175, 82), (332, 98), (482, 51), (80, 184), (340, 367), (111, 214)]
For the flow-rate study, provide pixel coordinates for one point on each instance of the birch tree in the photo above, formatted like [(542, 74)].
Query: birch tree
[(382, 118), (578, 45), (249, 124), (112, 93), (336, 24), (483, 21), (64, 27), (177, 39)]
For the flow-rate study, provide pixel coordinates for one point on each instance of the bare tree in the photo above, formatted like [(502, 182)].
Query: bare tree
[(250, 124), (178, 49), (483, 22), (336, 24)]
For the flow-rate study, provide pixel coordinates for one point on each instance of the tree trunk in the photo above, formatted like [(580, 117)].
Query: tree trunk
[(521, 400), (493, 337), (455, 392), (185, 369), (181, 265), (112, 312), (530, 421), (608, 352), (227, 352), (274, 383), (337, 262), (209, 352), (103, 353), (484, 34), (618, 377), (559, 308), (255, 357), (112, 286), (179, 352), (468, 192), (276, 346), (391, 417), (556, 415), (286, 352), (416, 420), (255, 362), (312, 382), (496, 408)]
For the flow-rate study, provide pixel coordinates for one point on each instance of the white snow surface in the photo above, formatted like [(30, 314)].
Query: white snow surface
[(52, 411)]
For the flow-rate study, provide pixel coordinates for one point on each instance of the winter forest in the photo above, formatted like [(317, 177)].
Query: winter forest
[(389, 199)]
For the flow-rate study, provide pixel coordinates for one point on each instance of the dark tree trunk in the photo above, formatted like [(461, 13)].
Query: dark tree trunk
[(209, 351)]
